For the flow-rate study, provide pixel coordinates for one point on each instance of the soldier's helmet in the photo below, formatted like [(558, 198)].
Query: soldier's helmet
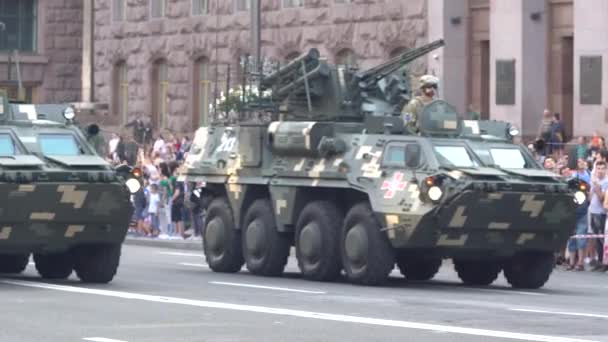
[(428, 81)]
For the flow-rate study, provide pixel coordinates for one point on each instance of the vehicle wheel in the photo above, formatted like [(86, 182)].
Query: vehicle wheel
[(529, 270), (477, 272), (418, 269), (318, 241), (221, 239), (13, 263), (265, 249), (54, 265), (97, 263), (367, 256)]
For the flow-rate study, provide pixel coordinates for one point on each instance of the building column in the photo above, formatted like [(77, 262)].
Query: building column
[(448, 19), (518, 62), (87, 52), (590, 67)]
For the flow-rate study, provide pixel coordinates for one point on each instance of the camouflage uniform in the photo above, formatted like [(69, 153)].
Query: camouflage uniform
[(98, 143), (412, 109)]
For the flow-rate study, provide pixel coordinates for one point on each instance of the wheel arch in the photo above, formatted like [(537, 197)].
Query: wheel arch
[(289, 201)]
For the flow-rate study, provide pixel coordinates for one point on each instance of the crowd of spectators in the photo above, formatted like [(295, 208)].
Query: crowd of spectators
[(585, 159), (163, 208)]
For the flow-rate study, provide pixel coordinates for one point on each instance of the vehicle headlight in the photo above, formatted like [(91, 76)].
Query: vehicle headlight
[(579, 197), (69, 113), (435, 193), (133, 185), (513, 131)]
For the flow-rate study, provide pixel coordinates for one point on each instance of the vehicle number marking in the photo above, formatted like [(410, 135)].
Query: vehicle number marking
[(227, 144)]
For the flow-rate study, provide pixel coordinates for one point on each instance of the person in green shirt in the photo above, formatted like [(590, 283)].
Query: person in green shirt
[(581, 148)]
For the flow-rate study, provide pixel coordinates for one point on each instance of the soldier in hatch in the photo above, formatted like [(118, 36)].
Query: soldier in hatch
[(428, 86)]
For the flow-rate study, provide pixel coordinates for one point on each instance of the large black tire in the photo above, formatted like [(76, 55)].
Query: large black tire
[(13, 263), (367, 255), (221, 239), (265, 249), (97, 263), (416, 268), (529, 270), (318, 241), (477, 272), (54, 265)]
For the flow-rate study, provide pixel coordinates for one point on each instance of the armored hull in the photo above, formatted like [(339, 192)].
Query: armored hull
[(348, 201), (355, 185), (55, 216), (59, 201)]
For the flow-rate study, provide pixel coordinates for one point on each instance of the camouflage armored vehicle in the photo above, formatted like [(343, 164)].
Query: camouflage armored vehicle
[(339, 177), (60, 201)]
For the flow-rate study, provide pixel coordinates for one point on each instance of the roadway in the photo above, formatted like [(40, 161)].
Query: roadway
[(170, 295)]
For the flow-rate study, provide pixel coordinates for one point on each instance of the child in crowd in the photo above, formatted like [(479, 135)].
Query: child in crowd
[(153, 208)]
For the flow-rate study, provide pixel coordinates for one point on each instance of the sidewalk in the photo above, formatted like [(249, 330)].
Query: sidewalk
[(192, 245)]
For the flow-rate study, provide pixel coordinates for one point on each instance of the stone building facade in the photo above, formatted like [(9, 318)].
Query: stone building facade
[(519, 57), (48, 37), (165, 59), (158, 58)]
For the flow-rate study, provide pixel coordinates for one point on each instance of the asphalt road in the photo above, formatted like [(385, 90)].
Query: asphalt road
[(168, 295)]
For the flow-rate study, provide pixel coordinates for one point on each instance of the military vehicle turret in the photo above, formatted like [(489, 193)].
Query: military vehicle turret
[(60, 201), (336, 175)]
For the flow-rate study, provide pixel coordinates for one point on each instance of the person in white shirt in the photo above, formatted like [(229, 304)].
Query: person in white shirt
[(113, 144), (153, 209)]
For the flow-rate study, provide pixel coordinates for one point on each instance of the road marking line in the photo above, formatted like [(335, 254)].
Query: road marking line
[(265, 287), (193, 264), (510, 291), (561, 313), (295, 313), (101, 339), (182, 254)]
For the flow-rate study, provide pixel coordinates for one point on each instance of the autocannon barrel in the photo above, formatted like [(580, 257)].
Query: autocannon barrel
[(373, 75), (311, 59)]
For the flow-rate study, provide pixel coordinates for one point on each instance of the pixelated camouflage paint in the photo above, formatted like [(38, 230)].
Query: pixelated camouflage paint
[(55, 204), (523, 216)]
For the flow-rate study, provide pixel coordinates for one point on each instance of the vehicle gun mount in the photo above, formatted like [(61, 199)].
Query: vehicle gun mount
[(310, 88)]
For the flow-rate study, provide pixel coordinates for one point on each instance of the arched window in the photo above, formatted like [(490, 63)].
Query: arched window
[(120, 90), (160, 93), (201, 93), (293, 55), (397, 51), (347, 58)]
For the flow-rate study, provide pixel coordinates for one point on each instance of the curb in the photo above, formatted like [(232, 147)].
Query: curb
[(172, 244)]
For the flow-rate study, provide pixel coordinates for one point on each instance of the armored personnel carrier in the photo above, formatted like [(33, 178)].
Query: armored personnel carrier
[(336, 174), (60, 201)]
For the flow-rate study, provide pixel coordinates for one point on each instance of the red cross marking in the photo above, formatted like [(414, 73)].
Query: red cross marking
[(394, 185)]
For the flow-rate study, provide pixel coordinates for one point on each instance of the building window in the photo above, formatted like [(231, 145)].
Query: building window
[(202, 88), (293, 3), (158, 8), (397, 51), (30, 92), (243, 5), (19, 18), (121, 91), (160, 95), (119, 9), (200, 7), (346, 57), (292, 56)]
